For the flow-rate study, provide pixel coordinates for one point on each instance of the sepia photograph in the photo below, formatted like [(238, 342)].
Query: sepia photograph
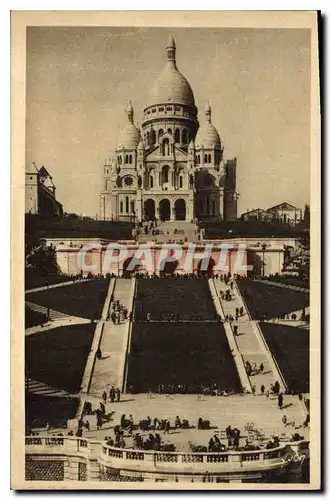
[(165, 250)]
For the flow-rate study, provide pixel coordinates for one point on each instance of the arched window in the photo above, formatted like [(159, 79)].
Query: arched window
[(208, 207), (209, 158), (169, 131), (181, 181), (160, 132), (126, 159), (177, 135), (121, 207), (132, 207), (148, 140), (130, 158), (127, 204), (165, 173), (184, 136), (153, 137), (213, 207), (206, 158)]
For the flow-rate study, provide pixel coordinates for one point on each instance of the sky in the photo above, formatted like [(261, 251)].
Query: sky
[(79, 82)]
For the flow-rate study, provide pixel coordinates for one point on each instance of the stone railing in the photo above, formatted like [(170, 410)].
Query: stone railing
[(145, 464)]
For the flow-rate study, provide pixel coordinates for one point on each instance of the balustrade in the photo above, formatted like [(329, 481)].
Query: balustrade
[(134, 455), (190, 458), (217, 458), (250, 457), (71, 445), (166, 457)]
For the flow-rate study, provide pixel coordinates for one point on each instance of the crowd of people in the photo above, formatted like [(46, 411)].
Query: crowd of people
[(118, 313), (199, 389), (253, 369)]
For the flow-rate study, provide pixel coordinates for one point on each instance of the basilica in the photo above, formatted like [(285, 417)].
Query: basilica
[(174, 167)]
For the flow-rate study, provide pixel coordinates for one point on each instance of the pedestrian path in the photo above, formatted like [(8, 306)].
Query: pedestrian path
[(238, 410), (50, 313), (42, 389), (56, 285), (57, 323), (298, 323), (109, 370), (284, 285), (237, 356), (250, 340)]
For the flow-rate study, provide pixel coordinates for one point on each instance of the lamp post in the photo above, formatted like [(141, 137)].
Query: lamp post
[(263, 254)]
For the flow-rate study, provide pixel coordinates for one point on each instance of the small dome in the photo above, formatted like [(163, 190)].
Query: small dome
[(207, 135), (141, 145), (129, 137)]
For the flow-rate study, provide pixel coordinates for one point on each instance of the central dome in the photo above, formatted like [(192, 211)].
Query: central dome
[(171, 85)]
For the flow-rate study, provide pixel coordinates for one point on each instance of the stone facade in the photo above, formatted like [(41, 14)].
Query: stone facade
[(173, 168), (40, 193)]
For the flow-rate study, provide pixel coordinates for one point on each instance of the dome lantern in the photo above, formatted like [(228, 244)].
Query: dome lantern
[(171, 49), (129, 112), (208, 112)]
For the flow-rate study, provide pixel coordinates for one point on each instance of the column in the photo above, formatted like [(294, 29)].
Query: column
[(172, 211)]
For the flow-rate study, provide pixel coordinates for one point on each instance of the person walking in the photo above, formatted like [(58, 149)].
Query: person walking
[(261, 368), (262, 389)]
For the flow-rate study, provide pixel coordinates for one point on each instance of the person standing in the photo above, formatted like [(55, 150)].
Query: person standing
[(276, 388), (112, 394), (280, 400), (118, 394)]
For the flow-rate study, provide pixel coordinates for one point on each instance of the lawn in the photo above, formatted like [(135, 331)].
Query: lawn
[(187, 297), (34, 318), (290, 347), (41, 410), (57, 357), (189, 354), (84, 299), (33, 280), (269, 301)]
